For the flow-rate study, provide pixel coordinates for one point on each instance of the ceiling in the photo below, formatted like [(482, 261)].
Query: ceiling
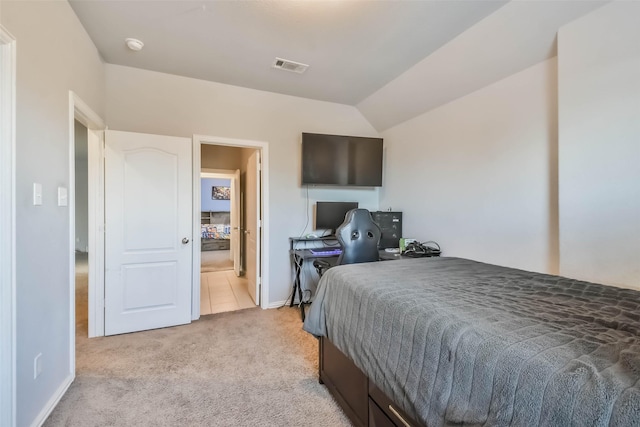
[(392, 59), (353, 47)]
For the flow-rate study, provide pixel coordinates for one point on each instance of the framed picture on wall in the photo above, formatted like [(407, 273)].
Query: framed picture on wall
[(220, 193)]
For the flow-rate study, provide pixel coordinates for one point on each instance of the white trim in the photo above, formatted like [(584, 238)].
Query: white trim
[(53, 402), (263, 146), (95, 215), (218, 175), (84, 114), (7, 229), (196, 239), (277, 304), (80, 111)]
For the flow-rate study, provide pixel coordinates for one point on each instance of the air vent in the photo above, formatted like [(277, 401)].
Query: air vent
[(293, 66)]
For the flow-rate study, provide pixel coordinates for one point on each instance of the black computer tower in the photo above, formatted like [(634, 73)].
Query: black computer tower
[(390, 224)]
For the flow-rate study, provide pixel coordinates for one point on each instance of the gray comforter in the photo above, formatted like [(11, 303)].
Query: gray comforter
[(455, 341)]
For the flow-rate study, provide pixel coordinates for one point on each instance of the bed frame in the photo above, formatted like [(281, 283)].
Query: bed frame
[(359, 398)]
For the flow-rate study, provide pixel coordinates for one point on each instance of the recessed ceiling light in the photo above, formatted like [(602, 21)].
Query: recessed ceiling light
[(134, 44)]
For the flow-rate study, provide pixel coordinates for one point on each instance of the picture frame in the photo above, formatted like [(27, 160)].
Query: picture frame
[(220, 193)]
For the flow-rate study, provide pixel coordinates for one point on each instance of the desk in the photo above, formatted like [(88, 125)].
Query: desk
[(298, 257), (294, 240)]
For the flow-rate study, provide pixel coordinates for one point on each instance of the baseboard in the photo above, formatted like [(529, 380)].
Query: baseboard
[(53, 402), (277, 304)]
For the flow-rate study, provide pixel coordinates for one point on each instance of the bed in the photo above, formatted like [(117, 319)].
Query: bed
[(215, 230), (444, 341)]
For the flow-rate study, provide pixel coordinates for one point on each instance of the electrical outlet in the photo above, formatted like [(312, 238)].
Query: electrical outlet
[(37, 366)]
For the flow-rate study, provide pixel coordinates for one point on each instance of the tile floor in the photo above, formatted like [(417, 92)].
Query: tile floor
[(222, 291)]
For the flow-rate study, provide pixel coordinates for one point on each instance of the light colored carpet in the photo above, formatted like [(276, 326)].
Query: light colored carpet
[(250, 367), (215, 261)]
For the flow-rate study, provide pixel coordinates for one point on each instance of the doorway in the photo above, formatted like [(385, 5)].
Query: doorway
[(86, 220), (219, 286), (219, 219), (81, 226), (223, 282), (96, 268)]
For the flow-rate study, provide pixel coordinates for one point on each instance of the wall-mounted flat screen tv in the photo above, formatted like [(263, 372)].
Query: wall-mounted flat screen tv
[(341, 160)]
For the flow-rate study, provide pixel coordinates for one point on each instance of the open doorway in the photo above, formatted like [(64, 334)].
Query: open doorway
[(229, 256), (219, 220), (86, 219), (223, 283), (81, 189)]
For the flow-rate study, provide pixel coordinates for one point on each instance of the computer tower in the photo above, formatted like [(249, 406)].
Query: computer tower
[(390, 224)]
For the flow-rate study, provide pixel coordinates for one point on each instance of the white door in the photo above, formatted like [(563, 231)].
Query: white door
[(252, 226), (95, 175), (148, 229), (235, 222)]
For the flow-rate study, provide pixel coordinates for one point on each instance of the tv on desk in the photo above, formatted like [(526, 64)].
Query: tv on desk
[(329, 215), (341, 160)]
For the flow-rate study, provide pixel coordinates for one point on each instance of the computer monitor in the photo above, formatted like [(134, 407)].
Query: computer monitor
[(329, 215)]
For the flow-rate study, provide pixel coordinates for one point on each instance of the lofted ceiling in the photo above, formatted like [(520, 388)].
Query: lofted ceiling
[(360, 52)]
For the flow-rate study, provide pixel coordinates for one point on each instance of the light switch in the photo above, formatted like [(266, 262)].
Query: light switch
[(37, 194), (63, 196)]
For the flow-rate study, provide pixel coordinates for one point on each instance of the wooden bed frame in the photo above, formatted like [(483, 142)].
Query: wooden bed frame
[(359, 398)]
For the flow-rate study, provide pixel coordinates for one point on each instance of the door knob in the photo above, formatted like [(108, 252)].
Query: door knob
[(247, 231), (185, 240)]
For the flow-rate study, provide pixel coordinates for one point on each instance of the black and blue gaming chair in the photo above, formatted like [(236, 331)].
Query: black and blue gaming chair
[(358, 236)]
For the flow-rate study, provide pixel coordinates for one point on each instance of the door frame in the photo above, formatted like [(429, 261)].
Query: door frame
[(263, 147), (80, 111), (7, 229)]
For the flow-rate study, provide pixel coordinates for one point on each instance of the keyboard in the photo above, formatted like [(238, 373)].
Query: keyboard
[(326, 251)]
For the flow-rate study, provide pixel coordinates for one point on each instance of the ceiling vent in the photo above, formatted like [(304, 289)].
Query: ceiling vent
[(293, 66)]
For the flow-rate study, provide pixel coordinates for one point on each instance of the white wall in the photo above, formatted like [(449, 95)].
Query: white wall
[(54, 55), (82, 188), (479, 174), (599, 146), (150, 102)]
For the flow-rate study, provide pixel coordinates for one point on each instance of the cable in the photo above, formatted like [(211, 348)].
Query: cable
[(292, 295), (306, 212), (287, 300)]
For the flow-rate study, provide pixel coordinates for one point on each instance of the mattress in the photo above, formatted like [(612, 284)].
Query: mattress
[(454, 341)]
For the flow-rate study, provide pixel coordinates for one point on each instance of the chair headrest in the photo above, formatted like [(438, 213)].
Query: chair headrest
[(359, 236)]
